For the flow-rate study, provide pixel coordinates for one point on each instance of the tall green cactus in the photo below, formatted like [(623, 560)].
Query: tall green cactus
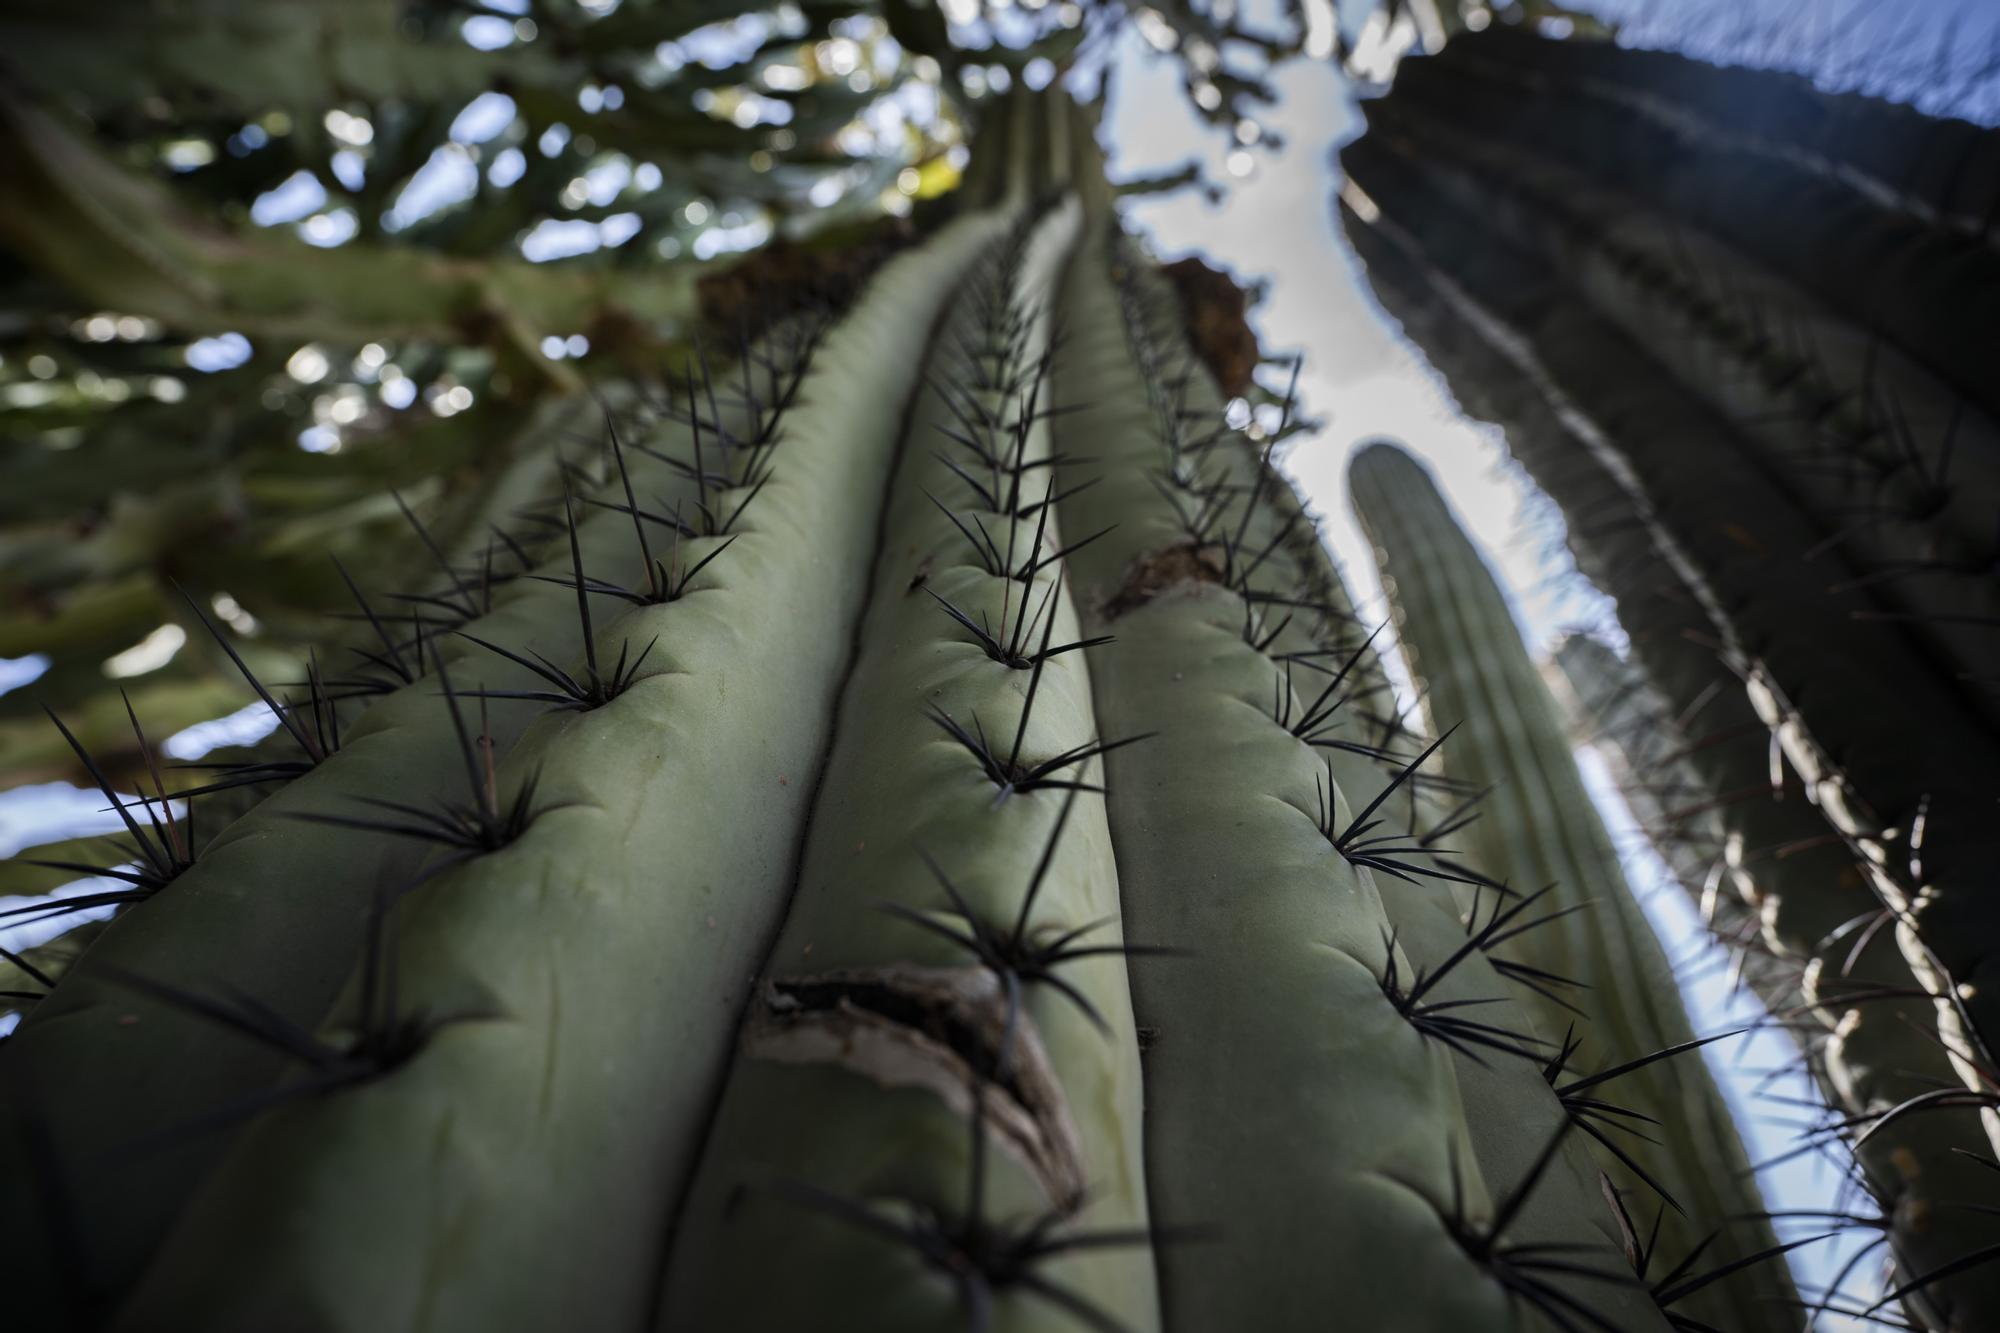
[(1603, 978), (1732, 568)]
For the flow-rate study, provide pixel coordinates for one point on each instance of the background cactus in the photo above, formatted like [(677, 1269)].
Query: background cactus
[(1709, 509), (1600, 987)]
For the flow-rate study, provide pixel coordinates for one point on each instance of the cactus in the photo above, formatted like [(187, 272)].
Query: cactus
[(1705, 547), (1878, 451), (1813, 948), (907, 832), (1604, 985)]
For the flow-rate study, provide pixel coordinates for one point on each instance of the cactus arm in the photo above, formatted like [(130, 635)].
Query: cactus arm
[(811, 1102), (1805, 884), (1538, 827), (1235, 868), (673, 804)]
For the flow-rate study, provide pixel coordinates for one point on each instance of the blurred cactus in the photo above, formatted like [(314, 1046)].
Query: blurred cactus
[(1740, 365)]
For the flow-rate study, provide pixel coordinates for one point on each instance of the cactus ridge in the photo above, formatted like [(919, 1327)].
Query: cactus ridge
[(1203, 601), (946, 732), (481, 936)]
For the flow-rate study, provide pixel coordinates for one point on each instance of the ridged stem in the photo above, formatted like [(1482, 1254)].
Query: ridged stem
[(620, 926), (1337, 1123)]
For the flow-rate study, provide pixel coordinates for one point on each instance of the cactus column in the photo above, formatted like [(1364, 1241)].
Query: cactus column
[(1803, 613), (1351, 1179), (600, 956), (1537, 829)]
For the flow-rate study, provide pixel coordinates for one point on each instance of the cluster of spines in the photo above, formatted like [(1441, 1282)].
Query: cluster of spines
[(403, 651)]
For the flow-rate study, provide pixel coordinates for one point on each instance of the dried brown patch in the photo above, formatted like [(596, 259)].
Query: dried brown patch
[(928, 1028), (1162, 571), (1215, 313), (786, 277)]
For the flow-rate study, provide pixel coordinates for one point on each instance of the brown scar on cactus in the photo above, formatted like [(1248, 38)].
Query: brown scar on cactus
[(935, 1029), (1162, 571), (1215, 315)]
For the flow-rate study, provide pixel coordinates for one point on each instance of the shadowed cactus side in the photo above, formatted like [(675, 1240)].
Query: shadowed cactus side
[(1765, 471), (1811, 941), (1608, 705)]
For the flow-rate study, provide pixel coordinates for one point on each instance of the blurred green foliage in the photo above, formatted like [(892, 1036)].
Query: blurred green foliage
[(266, 268)]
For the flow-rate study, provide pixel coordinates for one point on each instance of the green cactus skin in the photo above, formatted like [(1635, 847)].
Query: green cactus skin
[(1804, 884), (825, 1093), (631, 910), (1883, 456), (276, 907), (1538, 827), (1352, 1154)]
